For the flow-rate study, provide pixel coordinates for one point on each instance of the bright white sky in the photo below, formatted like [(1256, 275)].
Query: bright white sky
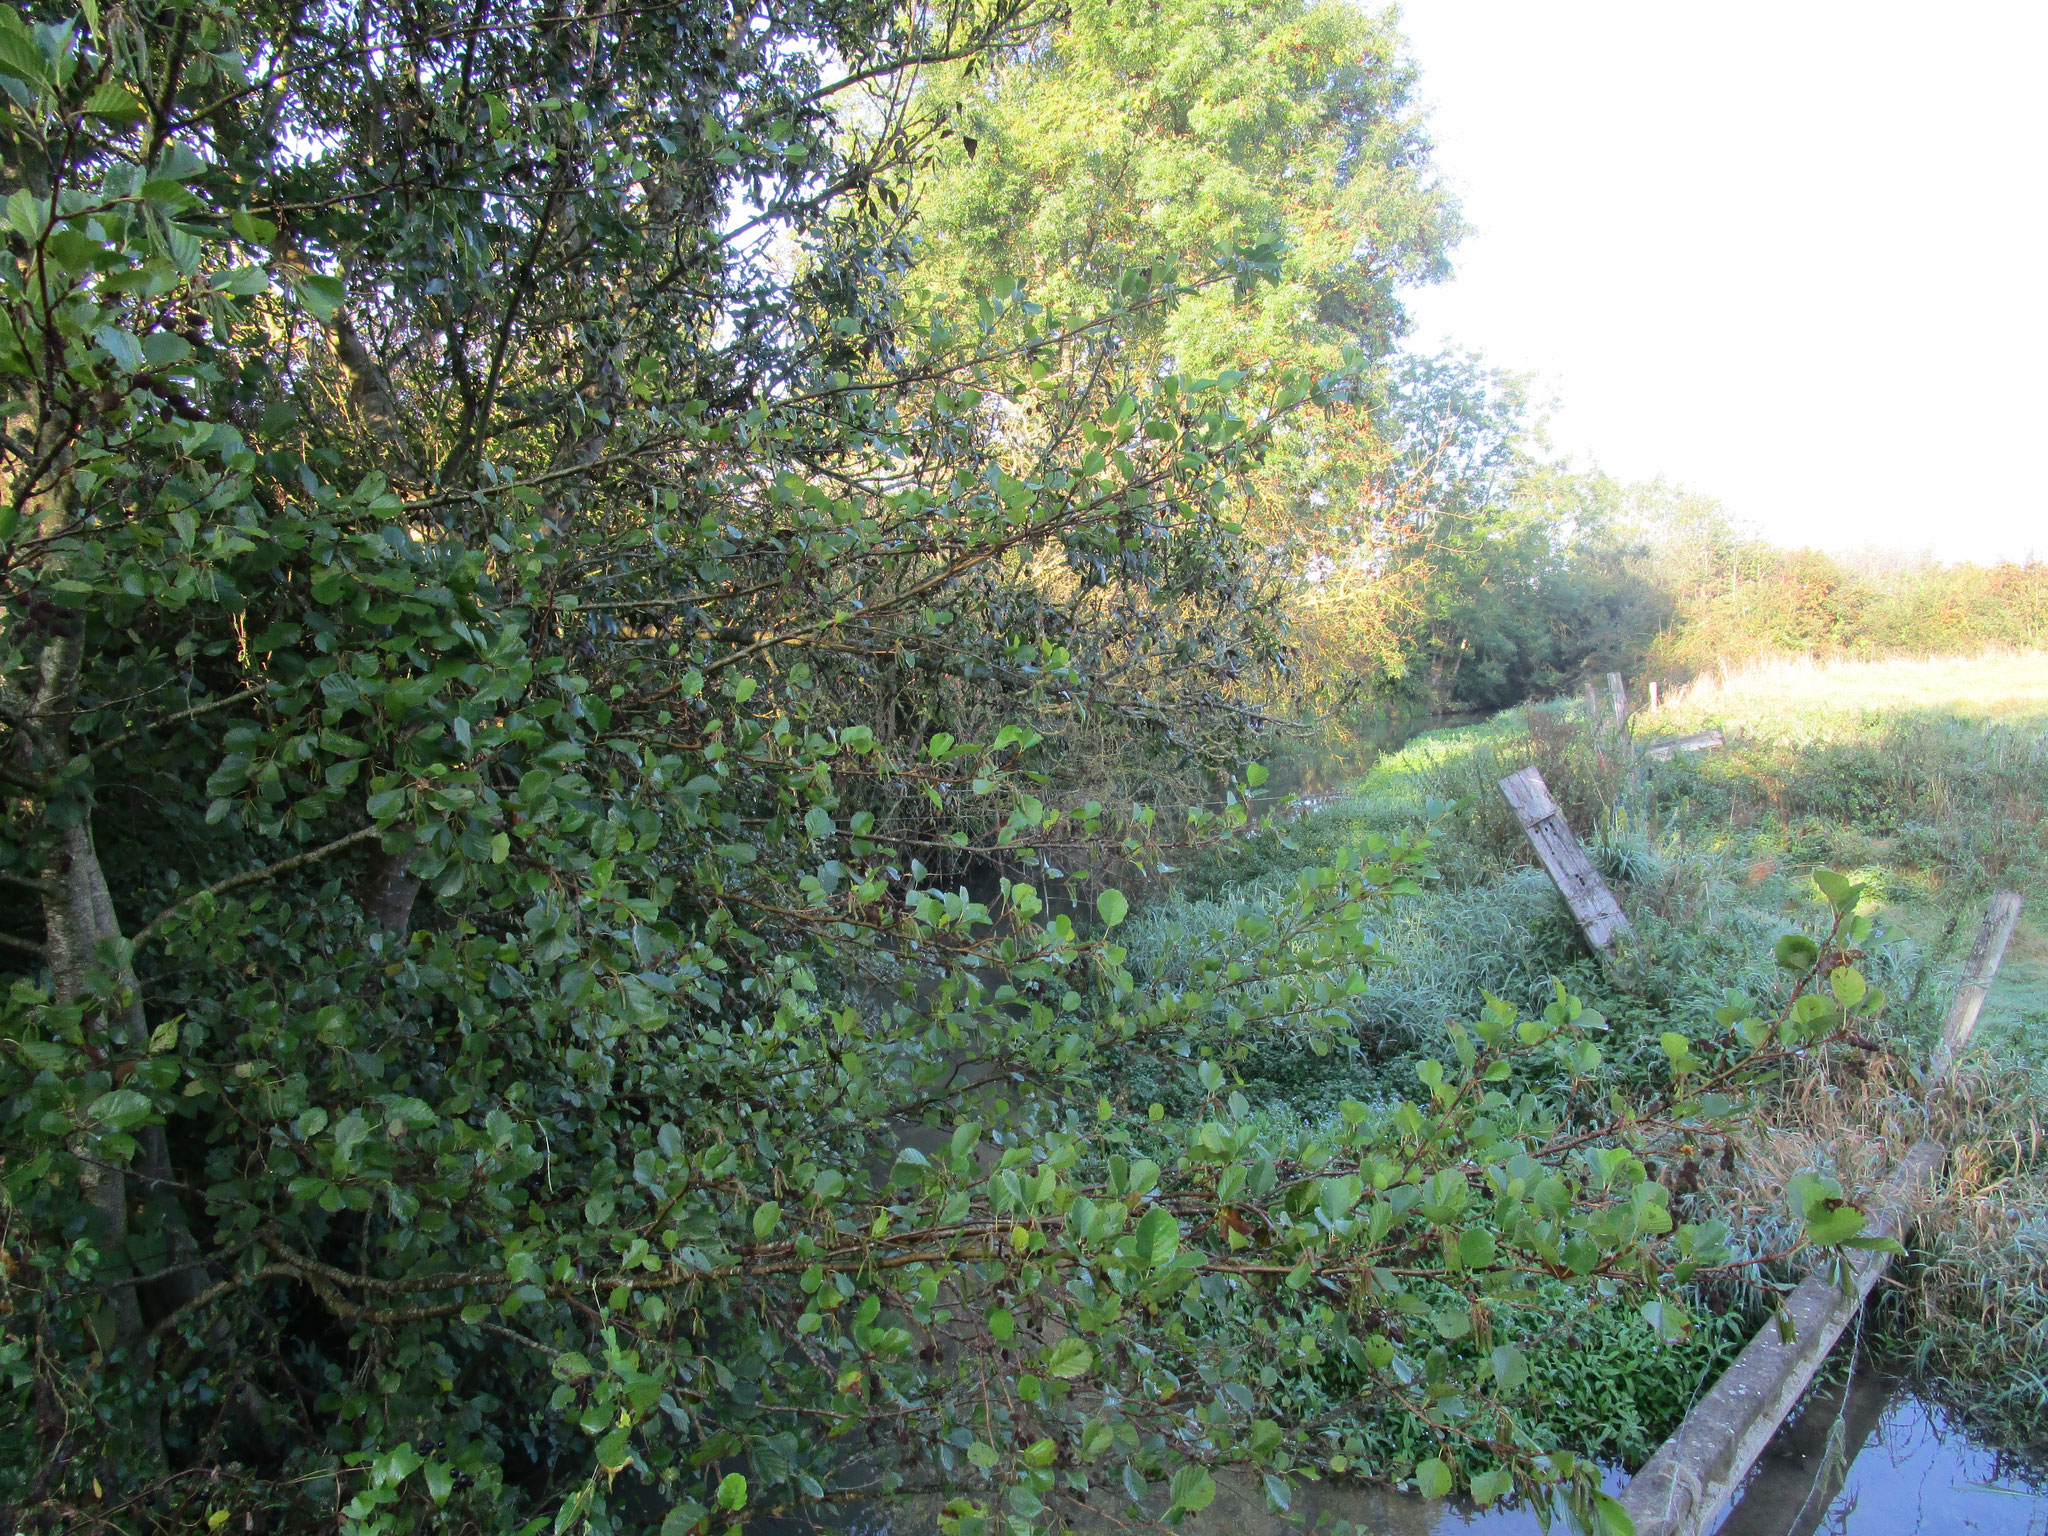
[(1789, 254)]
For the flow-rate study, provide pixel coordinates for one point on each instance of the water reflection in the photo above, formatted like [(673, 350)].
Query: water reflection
[(1881, 1460)]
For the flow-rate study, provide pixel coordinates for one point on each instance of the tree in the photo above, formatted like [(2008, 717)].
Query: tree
[(1279, 139), (476, 505)]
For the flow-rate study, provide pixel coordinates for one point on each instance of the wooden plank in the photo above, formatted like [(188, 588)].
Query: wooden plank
[(1664, 751), (1654, 704), (1979, 971), (1685, 1487), (1617, 695), (1598, 914)]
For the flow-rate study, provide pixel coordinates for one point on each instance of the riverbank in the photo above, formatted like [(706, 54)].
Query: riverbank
[(1925, 782)]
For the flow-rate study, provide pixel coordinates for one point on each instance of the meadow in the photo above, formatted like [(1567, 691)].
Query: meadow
[(1925, 782)]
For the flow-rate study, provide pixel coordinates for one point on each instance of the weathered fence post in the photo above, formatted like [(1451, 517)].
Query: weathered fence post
[(1699, 741), (1979, 971), (1595, 715), (1598, 914), (1617, 695), (1655, 704)]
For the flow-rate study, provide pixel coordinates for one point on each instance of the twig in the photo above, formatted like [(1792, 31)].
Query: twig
[(149, 929), (172, 719)]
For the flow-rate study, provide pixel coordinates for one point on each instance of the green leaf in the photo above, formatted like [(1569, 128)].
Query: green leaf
[(1491, 1487), (322, 295), (440, 1479), (123, 348), (121, 1110), (1255, 775), (1069, 1358), (1510, 1367), (1831, 1224), (615, 1450), (684, 1519), (1841, 895), (1157, 1238), (570, 1366), (1609, 1518), (1192, 1489), (1113, 907), (116, 102), (1666, 1318), (1847, 983), (1432, 1478), (765, 1217), (1796, 952), (1476, 1247), (243, 282), (28, 215), (732, 1491)]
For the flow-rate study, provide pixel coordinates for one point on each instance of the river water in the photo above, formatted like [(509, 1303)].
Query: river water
[(1881, 1459)]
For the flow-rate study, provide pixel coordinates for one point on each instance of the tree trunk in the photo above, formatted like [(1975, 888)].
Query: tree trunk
[(82, 932), (388, 892)]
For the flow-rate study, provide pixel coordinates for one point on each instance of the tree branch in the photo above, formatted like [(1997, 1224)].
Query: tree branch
[(150, 929), (184, 714)]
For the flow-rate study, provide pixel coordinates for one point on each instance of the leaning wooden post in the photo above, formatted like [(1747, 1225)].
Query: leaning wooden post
[(1598, 914), (1617, 695), (1595, 715), (1978, 973)]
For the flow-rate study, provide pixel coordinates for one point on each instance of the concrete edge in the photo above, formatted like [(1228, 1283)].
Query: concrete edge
[(1687, 1485)]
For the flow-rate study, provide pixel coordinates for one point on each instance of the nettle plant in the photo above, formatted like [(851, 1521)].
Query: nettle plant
[(487, 659)]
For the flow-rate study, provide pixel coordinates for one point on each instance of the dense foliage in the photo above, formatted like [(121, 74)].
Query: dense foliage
[(516, 638), (1486, 573)]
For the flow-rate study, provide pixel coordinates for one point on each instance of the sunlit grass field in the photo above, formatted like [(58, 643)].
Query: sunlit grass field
[(1802, 693)]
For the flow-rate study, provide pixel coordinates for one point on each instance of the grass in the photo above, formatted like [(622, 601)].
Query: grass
[(1926, 781)]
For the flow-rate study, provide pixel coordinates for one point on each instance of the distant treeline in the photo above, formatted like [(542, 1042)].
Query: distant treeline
[(1494, 576)]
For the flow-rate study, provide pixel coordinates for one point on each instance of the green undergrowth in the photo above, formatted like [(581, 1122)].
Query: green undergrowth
[(1922, 792)]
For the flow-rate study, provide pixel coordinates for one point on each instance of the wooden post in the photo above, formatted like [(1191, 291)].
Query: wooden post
[(1663, 751), (1655, 704), (1978, 974), (1594, 714), (1598, 914), (1617, 694)]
